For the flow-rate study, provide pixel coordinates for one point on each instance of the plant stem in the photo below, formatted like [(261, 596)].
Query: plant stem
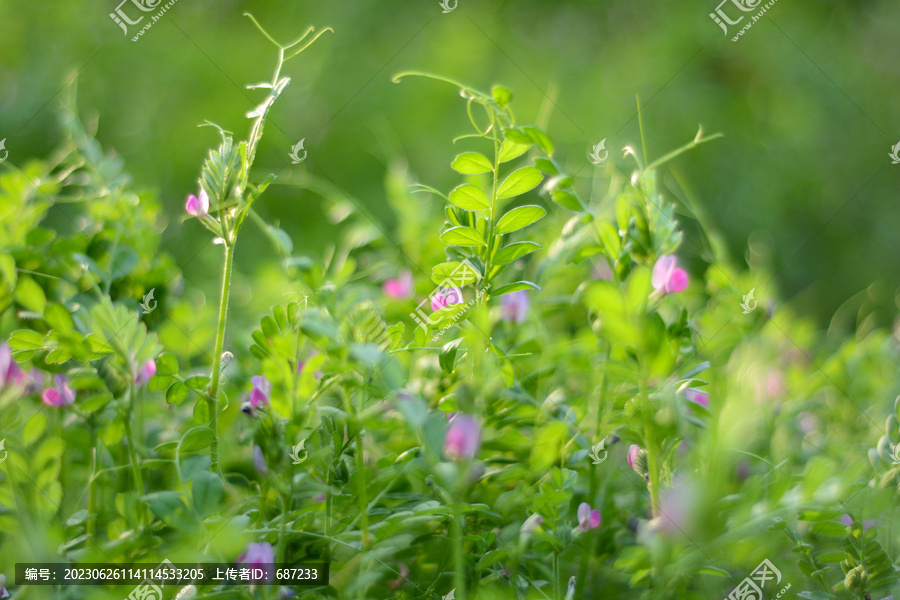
[(459, 580), (650, 443), (212, 401), (129, 434)]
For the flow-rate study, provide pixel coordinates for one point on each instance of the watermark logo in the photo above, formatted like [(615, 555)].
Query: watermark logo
[(895, 453), (895, 154), (448, 293), (146, 305), (122, 18), (447, 6), (450, 596), (723, 20), (749, 304), (296, 452), (148, 590), (6, 152), (3, 450), (595, 452), (295, 152), (752, 587), (596, 158)]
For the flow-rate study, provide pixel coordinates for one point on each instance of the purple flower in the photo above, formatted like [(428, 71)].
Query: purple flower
[(587, 519), (260, 556), (259, 396), (60, 394), (514, 306), (848, 521), (633, 452), (439, 299), (463, 437), (399, 288), (667, 277), (197, 207), (259, 461), (145, 372), (698, 397), (532, 523), (3, 592), (10, 373)]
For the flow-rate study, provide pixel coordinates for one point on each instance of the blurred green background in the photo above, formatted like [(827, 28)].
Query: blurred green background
[(800, 185)]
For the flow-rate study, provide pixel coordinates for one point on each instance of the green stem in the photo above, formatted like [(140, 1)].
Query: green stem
[(92, 496), (212, 401), (129, 434), (556, 576), (489, 254), (459, 580), (652, 455)]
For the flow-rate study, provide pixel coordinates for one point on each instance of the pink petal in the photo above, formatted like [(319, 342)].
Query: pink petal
[(678, 281), (662, 270), (52, 397), (595, 519), (584, 512)]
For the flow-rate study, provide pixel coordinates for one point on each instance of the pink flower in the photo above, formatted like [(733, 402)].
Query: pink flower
[(633, 452), (514, 306), (3, 592), (259, 396), (260, 556), (61, 394), (532, 523), (587, 519), (399, 288), (10, 373), (259, 461), (145, 372), (197, 207), (463, 437), (696, 396), (439, 300), (667, 277)]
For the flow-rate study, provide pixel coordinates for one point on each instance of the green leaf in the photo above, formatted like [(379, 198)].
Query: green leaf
[(462, 236), (169, 507), (207, 491), (540, 139), (201, 411), (30, 295), (25, 339), (196, 439), (178, 393), (519, 218), (447, 357), (509, 253), (469, 197), (510, 150), (471, 163), (830, 528), (458, 274), (166, 364), (114, 432), (520, 181), (59, 318), (514, 287), (518, 137), (197, 382), (566, 200)]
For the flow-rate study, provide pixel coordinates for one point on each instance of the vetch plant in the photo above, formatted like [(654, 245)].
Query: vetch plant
[(226, 199)]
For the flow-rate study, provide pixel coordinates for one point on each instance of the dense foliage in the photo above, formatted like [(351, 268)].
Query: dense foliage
[(517, 393)]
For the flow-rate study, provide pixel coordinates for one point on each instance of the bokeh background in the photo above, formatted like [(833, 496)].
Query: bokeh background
[(800, 186)]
